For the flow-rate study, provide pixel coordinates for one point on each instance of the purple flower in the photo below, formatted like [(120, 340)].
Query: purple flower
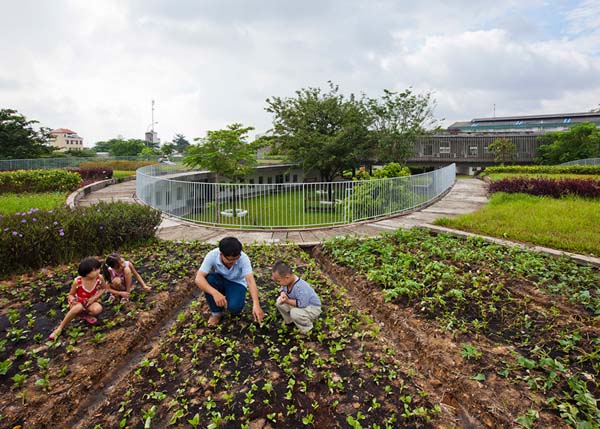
[(24, 221), (34, 220), (55, 223), (21, 235), (15, 232), (61, 233), (101, 227)]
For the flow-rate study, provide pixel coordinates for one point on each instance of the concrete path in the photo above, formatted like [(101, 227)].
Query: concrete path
[(466, 196)]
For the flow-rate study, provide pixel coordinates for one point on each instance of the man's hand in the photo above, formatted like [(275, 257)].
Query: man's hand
[(220, 299), (257, 313)]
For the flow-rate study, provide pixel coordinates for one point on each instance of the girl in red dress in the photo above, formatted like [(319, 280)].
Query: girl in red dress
[(83, 297)]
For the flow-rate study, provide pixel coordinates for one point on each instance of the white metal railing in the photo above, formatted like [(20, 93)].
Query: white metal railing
[(170, 189), (589, 161)]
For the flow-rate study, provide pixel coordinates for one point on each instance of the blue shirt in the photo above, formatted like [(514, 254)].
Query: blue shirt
[(303, 293), (237, 273)]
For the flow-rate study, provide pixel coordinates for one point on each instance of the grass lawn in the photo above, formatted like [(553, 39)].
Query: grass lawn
[(570, 224), (280, 209), (120, 174), (12, 203)]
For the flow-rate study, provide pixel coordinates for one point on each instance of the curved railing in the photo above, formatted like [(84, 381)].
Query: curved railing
[(588, 161), (191, 195)]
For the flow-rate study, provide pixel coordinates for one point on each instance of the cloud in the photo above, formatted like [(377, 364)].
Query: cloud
[(95, 66)]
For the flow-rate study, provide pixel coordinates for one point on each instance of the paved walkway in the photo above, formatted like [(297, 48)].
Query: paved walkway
[(466, 196)]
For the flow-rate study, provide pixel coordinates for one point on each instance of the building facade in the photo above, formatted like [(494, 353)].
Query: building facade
[(467, 143), (65, 139)]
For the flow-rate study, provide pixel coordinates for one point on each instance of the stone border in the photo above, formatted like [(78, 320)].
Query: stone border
[(76, 195)]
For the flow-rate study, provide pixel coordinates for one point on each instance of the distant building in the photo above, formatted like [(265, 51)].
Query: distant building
[(467, 143), (151, 137), (65, 139), (531, 123)]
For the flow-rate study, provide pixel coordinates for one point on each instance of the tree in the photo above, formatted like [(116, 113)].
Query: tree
[(18, 138), (181, 143), (397, 120), (121, 147), (579, 142), (225, 153), (323, 131), (167, 149), (504, 149)]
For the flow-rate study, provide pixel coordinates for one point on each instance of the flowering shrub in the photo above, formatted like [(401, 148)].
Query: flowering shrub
[(38, 181), (117, 165), (37, 238), (548, 187), (95, 174), (544, 169)]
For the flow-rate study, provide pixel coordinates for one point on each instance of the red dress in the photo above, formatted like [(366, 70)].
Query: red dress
[(81, 294)]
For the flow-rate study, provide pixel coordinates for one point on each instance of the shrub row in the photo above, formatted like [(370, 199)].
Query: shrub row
[(548, 187), (117, 165), (38, 238), (38, 181), (544, 169), (93, 173)]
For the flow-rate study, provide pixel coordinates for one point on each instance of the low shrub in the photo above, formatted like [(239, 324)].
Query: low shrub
[(96, 173), (37, 238), (117, 165), (38, 181), (543, 169), (548, 187)]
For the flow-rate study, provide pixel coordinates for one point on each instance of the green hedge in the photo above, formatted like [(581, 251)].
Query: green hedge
[(38, 181), (38, 238), (544, 169)]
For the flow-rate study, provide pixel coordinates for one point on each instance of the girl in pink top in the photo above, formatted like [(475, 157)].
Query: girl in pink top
[(119, 274), (85, 291)]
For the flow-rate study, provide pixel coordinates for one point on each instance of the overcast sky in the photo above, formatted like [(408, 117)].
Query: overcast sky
[(94, 66)]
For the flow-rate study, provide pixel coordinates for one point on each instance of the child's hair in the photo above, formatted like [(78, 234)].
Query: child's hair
[(88, 265), (113, 260), (230, 246), (282, 268)]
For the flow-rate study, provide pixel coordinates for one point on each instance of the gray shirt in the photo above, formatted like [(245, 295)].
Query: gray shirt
[(303, 293)]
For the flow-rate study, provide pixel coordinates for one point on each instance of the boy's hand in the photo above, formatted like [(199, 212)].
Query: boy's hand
[(282, 298)]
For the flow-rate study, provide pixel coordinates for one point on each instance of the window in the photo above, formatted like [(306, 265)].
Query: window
[(445, 147), (428, 150), (519, 122), (567, 120), (295, 178), (260, 180), (269, 180), (473, 151), (252, 181), (287, 178)]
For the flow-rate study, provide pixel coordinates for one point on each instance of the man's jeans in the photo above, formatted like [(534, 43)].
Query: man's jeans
[(235, 293)]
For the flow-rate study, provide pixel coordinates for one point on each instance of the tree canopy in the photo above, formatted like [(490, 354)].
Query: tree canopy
[(121, 147), (398, 118), (504, 149), (19, 139), (579, 142), (320, 130), (224, 152), (181, 143), (330, 132)]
